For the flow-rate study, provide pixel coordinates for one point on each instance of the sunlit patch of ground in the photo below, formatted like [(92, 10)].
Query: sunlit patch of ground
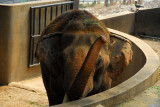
[(17, 97)]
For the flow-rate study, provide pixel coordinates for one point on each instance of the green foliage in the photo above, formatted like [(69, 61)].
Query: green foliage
[(31, 102), (35, 104), (10, 97), (24, 0), (155, 87)]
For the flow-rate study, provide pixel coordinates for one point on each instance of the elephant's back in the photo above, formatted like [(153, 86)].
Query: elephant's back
[(75, 21)]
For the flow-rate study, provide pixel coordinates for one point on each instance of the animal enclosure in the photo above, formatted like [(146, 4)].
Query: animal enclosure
[(15, 42)]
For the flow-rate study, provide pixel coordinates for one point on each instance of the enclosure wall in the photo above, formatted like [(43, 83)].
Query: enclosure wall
[(14, 41), (147, 22), (120, 21)]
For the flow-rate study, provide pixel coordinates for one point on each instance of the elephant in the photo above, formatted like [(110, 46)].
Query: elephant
[(79, 57)]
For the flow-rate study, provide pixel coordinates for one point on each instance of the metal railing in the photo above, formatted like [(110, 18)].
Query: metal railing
[(40, 17)]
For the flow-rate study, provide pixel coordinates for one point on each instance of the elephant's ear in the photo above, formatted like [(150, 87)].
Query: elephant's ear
[(120, 55), (48, 45)]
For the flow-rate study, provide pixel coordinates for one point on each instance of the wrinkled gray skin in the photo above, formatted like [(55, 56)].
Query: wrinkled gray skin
[(75, 52)]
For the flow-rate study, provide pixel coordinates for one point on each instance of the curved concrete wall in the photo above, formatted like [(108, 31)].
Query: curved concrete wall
[(143, 73)]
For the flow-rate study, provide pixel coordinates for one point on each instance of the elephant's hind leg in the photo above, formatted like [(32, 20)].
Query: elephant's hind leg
[(55, 95)]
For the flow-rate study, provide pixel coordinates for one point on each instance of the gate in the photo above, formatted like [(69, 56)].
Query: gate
[(40, 17)]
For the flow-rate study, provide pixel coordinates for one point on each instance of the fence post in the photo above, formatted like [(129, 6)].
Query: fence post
[(106, 2), (76, 4)]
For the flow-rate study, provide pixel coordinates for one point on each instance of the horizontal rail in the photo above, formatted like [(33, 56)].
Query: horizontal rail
[(55, 4), (34, 36), (36, 64)]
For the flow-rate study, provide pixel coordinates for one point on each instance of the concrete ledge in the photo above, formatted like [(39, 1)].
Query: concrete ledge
[(123, 21), (142, 79)]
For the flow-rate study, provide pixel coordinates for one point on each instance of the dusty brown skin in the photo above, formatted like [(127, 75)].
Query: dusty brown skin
[(75, 52), (120, 55)]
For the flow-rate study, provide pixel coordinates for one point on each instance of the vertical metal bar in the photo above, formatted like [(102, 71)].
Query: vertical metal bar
[(66, 7), (56, 11), (32, 43), (71, 5), (51, 13), (32, 40), (45, 19), (39, 21), (61, 9), (30, 46), (33, 22)]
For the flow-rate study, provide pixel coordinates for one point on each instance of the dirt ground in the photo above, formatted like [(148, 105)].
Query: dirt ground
[(27, 93), (17, 97)]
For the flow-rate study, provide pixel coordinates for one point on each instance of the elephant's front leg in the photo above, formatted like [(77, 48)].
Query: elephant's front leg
[(53, 86)]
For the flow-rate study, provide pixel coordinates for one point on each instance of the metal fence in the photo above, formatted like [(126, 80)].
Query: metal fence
[(40, 17)]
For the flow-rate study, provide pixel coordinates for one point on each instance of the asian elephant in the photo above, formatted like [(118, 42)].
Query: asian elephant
[(79, 57)]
